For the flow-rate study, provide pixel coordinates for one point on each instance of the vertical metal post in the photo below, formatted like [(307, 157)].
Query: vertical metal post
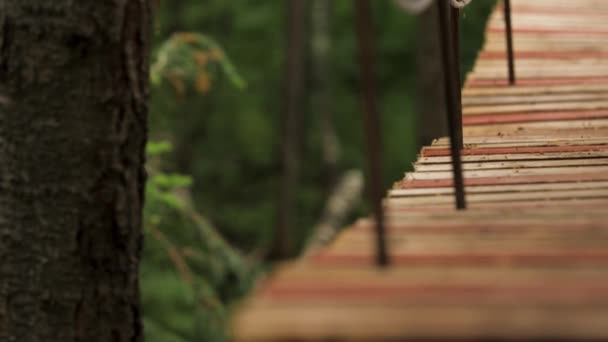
[(452, 102), (509, 38), (455, 19), (365, 42)]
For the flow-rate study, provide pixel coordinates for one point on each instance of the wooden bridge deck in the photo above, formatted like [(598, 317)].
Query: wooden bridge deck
[(529, 259)]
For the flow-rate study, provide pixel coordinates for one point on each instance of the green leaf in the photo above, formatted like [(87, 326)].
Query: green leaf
[(154, 148), (171, 180)]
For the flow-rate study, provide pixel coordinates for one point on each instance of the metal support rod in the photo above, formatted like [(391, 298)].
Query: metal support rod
[(365, 42), (509, 38), (452, 103), (455, 19)]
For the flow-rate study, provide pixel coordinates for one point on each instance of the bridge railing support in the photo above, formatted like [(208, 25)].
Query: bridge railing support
[(449, 22), (371, 122), (509, 40), (449, 37)]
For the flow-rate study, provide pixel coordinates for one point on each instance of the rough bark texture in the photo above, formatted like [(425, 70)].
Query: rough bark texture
[(73, 94)]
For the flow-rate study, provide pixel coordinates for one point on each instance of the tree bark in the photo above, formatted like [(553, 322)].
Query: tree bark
[(73, 122)]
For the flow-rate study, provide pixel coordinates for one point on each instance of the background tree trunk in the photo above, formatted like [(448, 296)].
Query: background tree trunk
[(74, 79), (430, 97), (291, 137), (321, 11)]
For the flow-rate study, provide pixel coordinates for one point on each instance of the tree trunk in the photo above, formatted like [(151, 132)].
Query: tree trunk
[(430, 99), (73, 118), (321, 88), (291, 128)]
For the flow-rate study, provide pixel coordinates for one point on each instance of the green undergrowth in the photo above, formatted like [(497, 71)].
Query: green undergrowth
[(190, 275)]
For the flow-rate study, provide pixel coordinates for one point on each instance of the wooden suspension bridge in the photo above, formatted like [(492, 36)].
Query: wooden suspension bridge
[(528, 259)]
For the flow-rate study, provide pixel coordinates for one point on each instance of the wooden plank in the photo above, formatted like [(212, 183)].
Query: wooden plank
[(505, 173), (528, 259), (432, 152), (557, 257), (512, 164), (565, 204), (528, 140), (556, 140), (561, 127), (523, 80), (507, 197), (536, 90), (516, 157), (574, 108), (318, 322), (503, 188), (545, 55), (470, 101), (524, 117), (460, 274), (553, 31)]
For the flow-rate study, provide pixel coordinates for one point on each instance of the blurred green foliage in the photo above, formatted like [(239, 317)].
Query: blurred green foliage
[(190, 275), (214, 167)]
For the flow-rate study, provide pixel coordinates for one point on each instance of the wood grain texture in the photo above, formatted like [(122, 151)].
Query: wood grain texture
[(528, 260)]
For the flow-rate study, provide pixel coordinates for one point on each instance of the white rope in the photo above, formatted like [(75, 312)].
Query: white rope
[(419, 6), (460, 3), (413, 6)]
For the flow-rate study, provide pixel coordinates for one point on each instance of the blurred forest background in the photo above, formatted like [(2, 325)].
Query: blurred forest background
[(215, 141)]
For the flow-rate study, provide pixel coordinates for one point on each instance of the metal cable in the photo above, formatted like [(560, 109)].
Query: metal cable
[(459, 3)]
